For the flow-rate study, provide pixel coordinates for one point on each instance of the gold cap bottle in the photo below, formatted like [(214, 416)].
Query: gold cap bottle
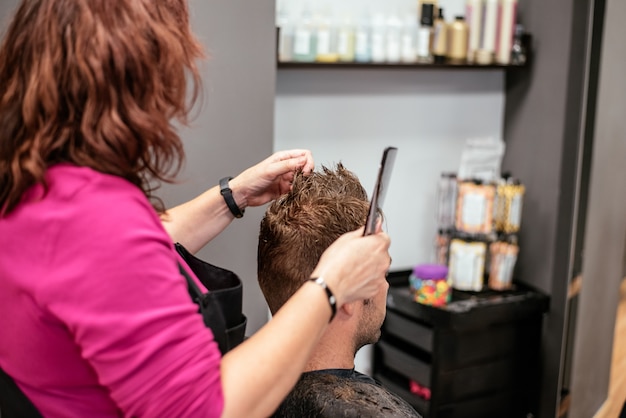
[(457, 41)]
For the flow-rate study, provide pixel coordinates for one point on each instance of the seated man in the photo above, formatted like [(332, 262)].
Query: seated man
[(294, 233)]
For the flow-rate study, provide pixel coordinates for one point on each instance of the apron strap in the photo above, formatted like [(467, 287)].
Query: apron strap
[(13, 402)]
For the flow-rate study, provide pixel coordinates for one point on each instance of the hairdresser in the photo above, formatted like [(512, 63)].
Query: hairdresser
[(95, 317)]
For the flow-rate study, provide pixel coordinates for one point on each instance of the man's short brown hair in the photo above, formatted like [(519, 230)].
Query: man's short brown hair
[(299, 226)]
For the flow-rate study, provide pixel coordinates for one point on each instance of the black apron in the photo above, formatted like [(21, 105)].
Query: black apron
[(221, 310)]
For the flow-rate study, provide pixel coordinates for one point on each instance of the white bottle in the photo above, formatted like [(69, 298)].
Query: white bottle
[(304, 43), (285, 26), (506, 27), (394, 38), (363, 39), (425, 34), (346, 40), (473, 18), (487, 47), (409, 39), (379, 51), (326, 38)]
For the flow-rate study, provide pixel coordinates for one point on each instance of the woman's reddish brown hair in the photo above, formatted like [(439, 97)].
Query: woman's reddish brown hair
[(95, 83)]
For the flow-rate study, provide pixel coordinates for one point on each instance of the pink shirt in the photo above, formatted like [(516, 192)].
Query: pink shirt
[(95, 318)]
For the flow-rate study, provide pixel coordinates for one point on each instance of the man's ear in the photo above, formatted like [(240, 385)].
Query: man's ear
[(349, 308)]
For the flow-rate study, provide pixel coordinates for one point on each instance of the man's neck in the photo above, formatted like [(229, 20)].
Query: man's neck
[(331, 353)]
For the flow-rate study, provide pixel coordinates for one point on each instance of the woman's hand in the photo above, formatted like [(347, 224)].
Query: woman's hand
[(355, 266), (270, 178), (198, 221)]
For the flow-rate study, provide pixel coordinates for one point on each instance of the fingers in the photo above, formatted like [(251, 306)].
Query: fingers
[(291, 161), (271, 177), (309, 164), (355, 266), (379, 224), (358, 232)]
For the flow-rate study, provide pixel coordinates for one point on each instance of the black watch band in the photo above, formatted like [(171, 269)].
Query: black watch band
[(332, 300), (227, 194)]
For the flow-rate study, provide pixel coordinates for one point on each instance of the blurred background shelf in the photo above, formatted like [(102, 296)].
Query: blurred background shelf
[(409, 66)]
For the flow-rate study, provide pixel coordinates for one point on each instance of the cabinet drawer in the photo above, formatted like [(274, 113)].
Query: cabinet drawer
[(461, 349), (473, 381), (408, 330), (404, 363), (495, 405)]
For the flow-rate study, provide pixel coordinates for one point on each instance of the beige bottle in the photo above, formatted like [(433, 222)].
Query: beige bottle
[(457, 41)]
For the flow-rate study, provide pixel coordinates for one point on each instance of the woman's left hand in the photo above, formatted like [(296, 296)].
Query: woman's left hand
[(271, 177)]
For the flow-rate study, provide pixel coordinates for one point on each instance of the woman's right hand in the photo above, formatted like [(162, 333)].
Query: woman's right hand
[(355, 266)]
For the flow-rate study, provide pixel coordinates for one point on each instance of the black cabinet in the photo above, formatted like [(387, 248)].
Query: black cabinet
[(479, 356)]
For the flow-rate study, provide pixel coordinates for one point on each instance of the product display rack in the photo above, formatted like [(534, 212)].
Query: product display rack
[(478, 356)]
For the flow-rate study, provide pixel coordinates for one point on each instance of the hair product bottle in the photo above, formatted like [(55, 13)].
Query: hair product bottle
[(379, 51), (393, 40), (424, 34), (440, 38), (473, 17), (487, 47), (446, 201), (304, 43), (519, 49), (363, 39), (345, 40), (285, 34), (326, 38), (502, 259), (475, 207), (457, 41), (506, 27), (409, 39), (467, 263)]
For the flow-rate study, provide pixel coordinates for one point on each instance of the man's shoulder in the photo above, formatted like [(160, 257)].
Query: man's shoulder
[(342, 393)]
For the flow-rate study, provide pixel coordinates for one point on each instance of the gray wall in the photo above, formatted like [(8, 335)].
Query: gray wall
[(6, 11), (605, 228), (543, 134), (549, 119), (234, 126)]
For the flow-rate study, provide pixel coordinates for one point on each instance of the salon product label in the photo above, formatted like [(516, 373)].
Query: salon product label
[(467, 265), (474, 206)]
